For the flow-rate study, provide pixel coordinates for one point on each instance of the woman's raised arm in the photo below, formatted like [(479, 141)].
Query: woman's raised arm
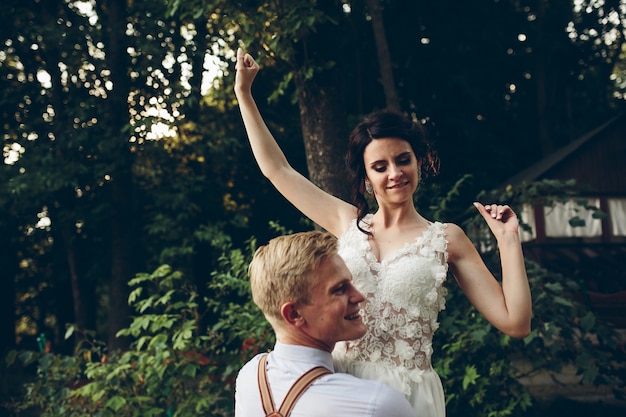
[(328, 211)]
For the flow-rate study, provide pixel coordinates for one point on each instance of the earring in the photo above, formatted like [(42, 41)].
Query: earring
[(368, 187)]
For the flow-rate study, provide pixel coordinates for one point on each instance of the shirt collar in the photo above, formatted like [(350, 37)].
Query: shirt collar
[(304, 354)]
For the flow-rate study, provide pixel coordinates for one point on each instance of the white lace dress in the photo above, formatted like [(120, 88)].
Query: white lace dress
[(404, 294)]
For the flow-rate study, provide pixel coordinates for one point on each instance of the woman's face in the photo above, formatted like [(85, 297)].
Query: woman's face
[(392, 169)]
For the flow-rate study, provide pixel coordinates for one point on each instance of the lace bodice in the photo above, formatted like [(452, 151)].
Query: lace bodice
[(404, 294)]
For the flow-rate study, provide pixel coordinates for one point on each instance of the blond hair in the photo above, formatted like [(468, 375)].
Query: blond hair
[(284, 269)]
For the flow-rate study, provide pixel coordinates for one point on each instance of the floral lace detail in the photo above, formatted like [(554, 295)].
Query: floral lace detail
[(404, 295)]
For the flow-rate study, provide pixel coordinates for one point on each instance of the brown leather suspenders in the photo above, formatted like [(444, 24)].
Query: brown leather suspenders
[(296, 390)]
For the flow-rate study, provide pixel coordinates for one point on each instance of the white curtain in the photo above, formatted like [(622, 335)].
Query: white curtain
[(528, 216), (617, 214), (558, 216)]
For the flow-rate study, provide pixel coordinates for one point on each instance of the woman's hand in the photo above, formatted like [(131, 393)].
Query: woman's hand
[(246, 70), (501, 219)]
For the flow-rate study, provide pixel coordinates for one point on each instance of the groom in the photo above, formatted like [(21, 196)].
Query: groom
[(305, 291)]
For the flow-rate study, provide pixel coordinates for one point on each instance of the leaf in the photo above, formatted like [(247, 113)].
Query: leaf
[(116, 403), (471, 375), (528, 339), (134, 295), (562, 301), (554, 286), (577, 222), (588, 322), (117, 371), (165, 299), (599, 214), (69, 332), (11, 356), (190, 370), (478, 335)]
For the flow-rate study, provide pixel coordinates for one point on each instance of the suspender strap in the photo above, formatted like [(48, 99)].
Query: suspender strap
[(264, 386), (296, 390), (301, 385)]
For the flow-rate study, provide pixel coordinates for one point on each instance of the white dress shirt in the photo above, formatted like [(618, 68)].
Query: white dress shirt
[(335, 394)]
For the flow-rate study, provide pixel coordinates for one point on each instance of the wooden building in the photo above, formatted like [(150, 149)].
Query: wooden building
[(594, 254)]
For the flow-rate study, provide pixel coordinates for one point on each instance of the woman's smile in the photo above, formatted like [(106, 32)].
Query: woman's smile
[(397, 186)]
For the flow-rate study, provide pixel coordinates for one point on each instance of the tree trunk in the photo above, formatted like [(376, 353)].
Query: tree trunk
[(121, 257), (384, 57), (122, 208), (325, 138), (9, 269), (322, 110), (74, 307), (83, 300), (543, 116)]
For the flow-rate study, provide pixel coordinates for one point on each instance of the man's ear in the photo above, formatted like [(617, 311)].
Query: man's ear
[(291, 314)]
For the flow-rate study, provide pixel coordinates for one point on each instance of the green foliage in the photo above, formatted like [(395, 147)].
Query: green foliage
[(173, 367), (442, 204), (68, 143), (474, 362), (481, 368), (565, 332), (239, 326), (277, 28), (177, 367)]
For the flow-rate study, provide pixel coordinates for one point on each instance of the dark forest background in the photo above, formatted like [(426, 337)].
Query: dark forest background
[(124, 152)]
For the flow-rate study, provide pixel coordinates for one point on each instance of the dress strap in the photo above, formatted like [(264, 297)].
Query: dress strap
[(296, 390)]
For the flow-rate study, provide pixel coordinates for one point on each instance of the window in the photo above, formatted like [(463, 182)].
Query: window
[(617, 216), (558, 220)]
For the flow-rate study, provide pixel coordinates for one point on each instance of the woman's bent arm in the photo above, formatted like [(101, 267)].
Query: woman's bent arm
[(508, 306)]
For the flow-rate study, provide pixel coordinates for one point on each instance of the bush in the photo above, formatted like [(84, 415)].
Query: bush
[(177, 367), (481, 367), (173, 367)]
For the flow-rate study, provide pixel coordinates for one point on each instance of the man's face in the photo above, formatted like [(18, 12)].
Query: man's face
[(332, 314)]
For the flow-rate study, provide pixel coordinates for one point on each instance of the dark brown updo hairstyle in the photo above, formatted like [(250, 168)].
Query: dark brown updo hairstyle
[(378, 125)]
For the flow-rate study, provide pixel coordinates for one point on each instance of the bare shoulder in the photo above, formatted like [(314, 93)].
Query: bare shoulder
[(458, 242), (454, 232)]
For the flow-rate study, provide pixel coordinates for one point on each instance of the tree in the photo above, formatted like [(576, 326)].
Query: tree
[(384, 58), (82, 88), (40, 176), (94, 194), (477, 74), (304, 40)]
